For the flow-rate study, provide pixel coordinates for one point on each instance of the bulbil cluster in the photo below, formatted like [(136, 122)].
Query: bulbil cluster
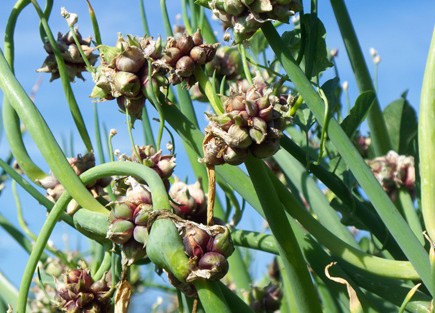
[(188, 201), (126, 69), (245, 17), (394, 171), (71, 55), (208, 249), (183, 54), (123, 72), (78, 292), (253, 122)]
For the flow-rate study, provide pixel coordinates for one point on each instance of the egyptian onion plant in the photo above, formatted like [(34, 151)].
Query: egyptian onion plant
[(347, 215)]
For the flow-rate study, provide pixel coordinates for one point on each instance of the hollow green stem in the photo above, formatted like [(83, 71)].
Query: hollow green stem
[(383, 205), (69, 94), (193, 17), (379, 134), (426, 141), (186, 19), (211, 296), (98, 135), (79, 47), (94, 22), (407, 207), (296, 269), (166, 20), (146, 126), (376, 265), (12, 127), (143, 17), (104, 266), (44, 138), (209, 91), (246, 70)]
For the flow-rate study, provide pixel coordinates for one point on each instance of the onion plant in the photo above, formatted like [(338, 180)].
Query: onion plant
[(349, 215)]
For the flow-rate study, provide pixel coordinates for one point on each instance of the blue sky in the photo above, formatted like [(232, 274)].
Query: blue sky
[(400, 31)]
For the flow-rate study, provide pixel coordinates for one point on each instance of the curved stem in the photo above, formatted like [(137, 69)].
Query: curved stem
[(12, 126), (159, 197), (211, 296), (69, 94), (426, 141), (44, 138), (95, 26)]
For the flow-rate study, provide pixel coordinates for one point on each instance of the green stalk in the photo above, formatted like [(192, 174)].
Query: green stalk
[(235, 304), (143, 17), (407, 207), (146, 126), (98, 135), (367, 262), (12, 127), (44, 138), (383, 205), (94, 22), (166, 20), (336, 185), (193, 17), (296, 269), (211, 296), (379, 134), (426, 141), (311, 192), (209, 91), (69, 94), (246, 70), (186, 17)]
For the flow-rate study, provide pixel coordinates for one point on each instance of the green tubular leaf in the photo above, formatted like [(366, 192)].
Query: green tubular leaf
[(333, 182), (44, 138), (97, 34), (375, 265), (378, 129), (69, 94), (311, 192), (211, 297), (383, 205), (294, 263), (12, 127), (426, 141)]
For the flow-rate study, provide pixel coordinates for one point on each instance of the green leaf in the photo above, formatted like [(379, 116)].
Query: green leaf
[(358, 112), (401, 121), (332, 91), (315, 52)]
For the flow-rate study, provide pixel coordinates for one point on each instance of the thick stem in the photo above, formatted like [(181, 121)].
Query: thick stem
[(426, 142)]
